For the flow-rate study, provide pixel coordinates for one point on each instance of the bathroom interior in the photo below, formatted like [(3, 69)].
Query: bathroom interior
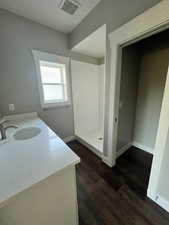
[(55, 102)]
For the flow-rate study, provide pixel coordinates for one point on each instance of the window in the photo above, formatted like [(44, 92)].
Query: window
[(52, 72)]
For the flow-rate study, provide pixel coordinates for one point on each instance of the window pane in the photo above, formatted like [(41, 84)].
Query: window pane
[(53, 92), (50, 74)]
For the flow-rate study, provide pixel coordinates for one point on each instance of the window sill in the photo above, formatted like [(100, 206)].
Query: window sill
[(55, 105)]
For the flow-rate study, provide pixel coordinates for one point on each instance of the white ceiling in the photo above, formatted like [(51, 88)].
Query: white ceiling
[(94, 45), (47, 12)]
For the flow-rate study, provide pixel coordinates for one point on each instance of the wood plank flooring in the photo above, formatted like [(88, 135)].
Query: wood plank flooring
[(115, 196)]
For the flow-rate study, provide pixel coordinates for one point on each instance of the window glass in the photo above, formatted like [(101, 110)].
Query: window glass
[(51, 74), (53, 92)]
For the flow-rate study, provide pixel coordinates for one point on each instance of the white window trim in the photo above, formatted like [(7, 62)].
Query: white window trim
[(44, 56)]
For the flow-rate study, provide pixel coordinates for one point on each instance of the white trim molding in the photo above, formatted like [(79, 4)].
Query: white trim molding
[(163, 202), (135, 144), (160, 200), (161, 140), (60, 61), (107, 161), (90, 147), (142, 147), (68, 139), (123, 149), (152, 21), (143, 24)]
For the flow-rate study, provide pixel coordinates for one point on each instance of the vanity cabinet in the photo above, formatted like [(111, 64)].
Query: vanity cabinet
[(52, 201)]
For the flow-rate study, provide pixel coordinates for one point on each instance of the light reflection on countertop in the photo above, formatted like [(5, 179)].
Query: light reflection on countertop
[(26, 162)]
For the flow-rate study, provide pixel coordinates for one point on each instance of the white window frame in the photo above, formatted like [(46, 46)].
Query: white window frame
[(51, 58)]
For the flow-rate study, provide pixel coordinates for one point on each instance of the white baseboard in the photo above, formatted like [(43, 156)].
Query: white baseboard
[(107, 161), (95, 151), (164, 203), (135, 144), (90, 147), (142, 147), (158, 199), (123, 149), (150, 195), (68, 139)]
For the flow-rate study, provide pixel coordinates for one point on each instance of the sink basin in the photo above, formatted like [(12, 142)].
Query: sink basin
[(27, 133)]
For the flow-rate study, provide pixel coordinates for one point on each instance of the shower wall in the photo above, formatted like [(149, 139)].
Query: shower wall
[(88, 97), (101, 87)]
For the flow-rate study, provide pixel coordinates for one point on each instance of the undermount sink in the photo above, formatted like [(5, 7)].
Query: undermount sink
[(27, 133)]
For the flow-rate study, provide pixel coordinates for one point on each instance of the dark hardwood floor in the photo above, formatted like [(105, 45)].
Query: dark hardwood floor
[(115, 196)]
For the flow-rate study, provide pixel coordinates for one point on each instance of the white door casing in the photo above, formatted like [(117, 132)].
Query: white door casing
[(150, 22)]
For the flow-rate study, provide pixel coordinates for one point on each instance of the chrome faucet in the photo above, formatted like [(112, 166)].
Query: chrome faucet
[(4, 128)]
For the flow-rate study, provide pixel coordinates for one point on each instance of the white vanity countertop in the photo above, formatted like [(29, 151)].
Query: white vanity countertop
[(27, 162)]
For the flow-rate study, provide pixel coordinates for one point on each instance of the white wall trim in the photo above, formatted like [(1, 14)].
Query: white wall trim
[(152, 21), (107, 161), (123, 149), (161, 201), (95, 151), (57, 59), (161, 141), (90, 147), (104, 159), (142, 147), (135, 144), (148, 21), (150, 195), (68, 139)]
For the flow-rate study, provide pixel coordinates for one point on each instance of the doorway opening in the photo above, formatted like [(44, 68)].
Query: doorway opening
[(144, 69)]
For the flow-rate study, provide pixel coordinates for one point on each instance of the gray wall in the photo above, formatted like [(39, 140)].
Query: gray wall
[(18, 82), (111, 12), (144, 70), (128, 95), (153, 71)]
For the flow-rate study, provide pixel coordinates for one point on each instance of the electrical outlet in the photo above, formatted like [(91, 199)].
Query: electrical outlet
[(11, 107)]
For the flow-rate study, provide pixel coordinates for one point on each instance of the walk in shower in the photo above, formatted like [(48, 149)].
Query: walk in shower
[(88, 100)]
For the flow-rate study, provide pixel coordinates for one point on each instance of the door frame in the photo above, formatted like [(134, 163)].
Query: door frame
[(148, 23)]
